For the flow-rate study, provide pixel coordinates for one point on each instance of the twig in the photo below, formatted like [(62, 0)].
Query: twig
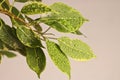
[(46, 30), (6, 12)]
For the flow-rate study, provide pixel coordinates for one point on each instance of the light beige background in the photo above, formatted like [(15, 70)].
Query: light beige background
[(103, 35)]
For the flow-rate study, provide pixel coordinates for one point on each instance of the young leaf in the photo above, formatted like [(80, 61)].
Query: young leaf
[(36, 59), (26, 0), (76, 49), (35, 7), (58, 57), (28, 37), (67, 20), (7, 53)]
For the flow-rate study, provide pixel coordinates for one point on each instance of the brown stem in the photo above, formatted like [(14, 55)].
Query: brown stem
[(46, 30), (6, 12)]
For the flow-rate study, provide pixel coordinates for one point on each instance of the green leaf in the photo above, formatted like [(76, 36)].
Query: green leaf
[(4, 5), (58, 57), (17, 13), (79, 33), (67, 20), (28, 37), (76, 49), (36, 25), (7, 36), (35, 8), (26, 0), (8, 53), (36, 59), (1, 44)]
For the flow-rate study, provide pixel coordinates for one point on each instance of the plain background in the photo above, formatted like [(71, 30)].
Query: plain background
[(103, 35)]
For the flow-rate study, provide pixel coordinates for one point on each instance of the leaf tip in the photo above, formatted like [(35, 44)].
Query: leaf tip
[(94, 56), (38, 75), (86, 20)]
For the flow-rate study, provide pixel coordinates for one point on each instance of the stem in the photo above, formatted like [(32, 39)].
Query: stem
[(52, 38), (11, 6), (46, 30), (49, 34), (6, 12)]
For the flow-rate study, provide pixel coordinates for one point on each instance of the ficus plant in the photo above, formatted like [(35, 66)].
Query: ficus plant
[(26, 35)]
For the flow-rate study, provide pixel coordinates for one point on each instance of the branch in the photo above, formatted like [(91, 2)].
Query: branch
[(6, 12)]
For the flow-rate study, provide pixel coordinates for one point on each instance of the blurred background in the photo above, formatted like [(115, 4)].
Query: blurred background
[(103, 35)]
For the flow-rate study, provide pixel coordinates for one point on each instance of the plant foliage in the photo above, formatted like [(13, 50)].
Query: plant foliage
[(26, 35)]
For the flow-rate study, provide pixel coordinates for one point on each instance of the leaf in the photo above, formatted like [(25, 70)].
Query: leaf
[(28, 37), (7, 36), (58, 57), (35, 7), (36, 59), (17, 13), (79, 33), (7, 53), (1, 44), (26, 0), (67, 20), (4, 5), (76, 49), (36, 26)]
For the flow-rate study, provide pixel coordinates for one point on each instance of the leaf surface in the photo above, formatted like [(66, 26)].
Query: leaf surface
[(7, 36), (76, 49), (1, 44), (36, 59), (35, 8), (67, 20), (17, 13), (8, 53), (28, 37), (4, 5), (58, 57)]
